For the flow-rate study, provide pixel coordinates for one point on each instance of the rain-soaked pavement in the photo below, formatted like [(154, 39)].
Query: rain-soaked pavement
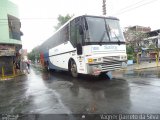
[(58, 93)]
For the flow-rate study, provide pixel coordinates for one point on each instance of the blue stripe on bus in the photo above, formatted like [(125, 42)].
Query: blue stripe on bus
[(51, 66)]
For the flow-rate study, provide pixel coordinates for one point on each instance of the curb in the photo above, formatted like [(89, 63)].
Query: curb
[(136, 68), (11, 77)]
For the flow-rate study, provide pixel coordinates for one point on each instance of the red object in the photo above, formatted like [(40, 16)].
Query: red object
[(42, 58)]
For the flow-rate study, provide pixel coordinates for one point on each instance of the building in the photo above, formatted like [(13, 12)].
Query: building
[(10, 35), (137, 28), (146, 37), (143, 40), (153, 39), (135, 34)]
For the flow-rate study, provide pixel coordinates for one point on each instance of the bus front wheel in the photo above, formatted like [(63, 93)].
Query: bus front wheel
[(73, 69)]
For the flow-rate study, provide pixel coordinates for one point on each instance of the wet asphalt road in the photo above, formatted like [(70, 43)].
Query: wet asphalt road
[(59, 93)]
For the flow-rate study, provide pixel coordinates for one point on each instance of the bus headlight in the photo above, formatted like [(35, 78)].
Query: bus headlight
[(90, 60), (100, 59), (95, 60), (123, 57)]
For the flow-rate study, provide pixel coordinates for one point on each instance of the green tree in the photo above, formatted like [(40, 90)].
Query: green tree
[(134, 38), (34, 54), (62, 20), (134, 41), (130, 52), (31, 56)]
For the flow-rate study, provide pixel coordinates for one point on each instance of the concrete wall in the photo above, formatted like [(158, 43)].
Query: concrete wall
[(7, 7), (8, 69)]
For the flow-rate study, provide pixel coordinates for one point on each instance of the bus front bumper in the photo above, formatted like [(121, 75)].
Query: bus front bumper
[(97, 69)]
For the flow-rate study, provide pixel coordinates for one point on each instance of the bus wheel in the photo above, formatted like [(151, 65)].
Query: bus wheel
[(73, 69)]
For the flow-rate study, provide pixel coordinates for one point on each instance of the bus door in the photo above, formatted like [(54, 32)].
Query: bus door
[(77, 39), (76, 34)]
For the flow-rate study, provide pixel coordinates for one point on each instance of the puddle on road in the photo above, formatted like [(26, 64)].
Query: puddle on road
[(95, 95), (60, 85), (43, 99), (153, 73), (63, 94)]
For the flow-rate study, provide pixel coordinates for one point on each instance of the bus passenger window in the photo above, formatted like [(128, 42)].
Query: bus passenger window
[(73, 35), (65, 34)]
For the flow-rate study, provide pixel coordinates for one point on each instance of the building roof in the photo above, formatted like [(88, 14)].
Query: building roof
[(153, 33)]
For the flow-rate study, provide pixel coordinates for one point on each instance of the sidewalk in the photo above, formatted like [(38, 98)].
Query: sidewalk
[(11, 76), (39, 66), (142, 65), (133, 68)]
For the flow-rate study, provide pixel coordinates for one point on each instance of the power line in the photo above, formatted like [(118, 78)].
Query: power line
[(135, 7), (30, 19), (131, 5), (5, 21)]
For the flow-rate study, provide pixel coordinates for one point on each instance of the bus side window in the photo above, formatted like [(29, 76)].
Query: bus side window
[(64, 34), (79, 37), (84, 25), (75, 36), (73, 31)]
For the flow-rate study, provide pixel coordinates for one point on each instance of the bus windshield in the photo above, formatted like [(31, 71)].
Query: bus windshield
[(104, 30)]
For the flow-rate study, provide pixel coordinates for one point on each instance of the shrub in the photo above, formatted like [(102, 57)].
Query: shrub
[(130, 57)]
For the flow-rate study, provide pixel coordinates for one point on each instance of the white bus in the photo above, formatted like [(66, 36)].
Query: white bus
[(86, 45)]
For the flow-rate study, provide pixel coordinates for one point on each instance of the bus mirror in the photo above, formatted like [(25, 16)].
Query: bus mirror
[(79, 49), (80, 30)]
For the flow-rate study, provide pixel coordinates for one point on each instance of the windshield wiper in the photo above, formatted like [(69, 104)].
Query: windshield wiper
[(118, 41), (106, 31), (102, 38)]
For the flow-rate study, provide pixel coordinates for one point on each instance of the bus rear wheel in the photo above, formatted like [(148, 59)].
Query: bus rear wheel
[(73, 69)]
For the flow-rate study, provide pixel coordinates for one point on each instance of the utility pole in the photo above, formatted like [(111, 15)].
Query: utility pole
[(104, 7)]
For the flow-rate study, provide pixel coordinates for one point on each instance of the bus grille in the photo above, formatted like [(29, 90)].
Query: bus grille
[(106, 67), (111, 63)]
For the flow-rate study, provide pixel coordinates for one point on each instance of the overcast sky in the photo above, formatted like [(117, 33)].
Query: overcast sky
[(39, 17)]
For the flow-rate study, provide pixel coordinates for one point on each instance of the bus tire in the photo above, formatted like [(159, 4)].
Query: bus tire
[(73, 69), (103, 74)]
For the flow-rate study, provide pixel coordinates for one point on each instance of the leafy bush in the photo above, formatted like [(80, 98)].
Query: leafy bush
[(130, 50), (130, 57)]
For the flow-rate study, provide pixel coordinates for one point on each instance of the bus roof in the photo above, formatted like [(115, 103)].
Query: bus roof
[(102, 16)]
